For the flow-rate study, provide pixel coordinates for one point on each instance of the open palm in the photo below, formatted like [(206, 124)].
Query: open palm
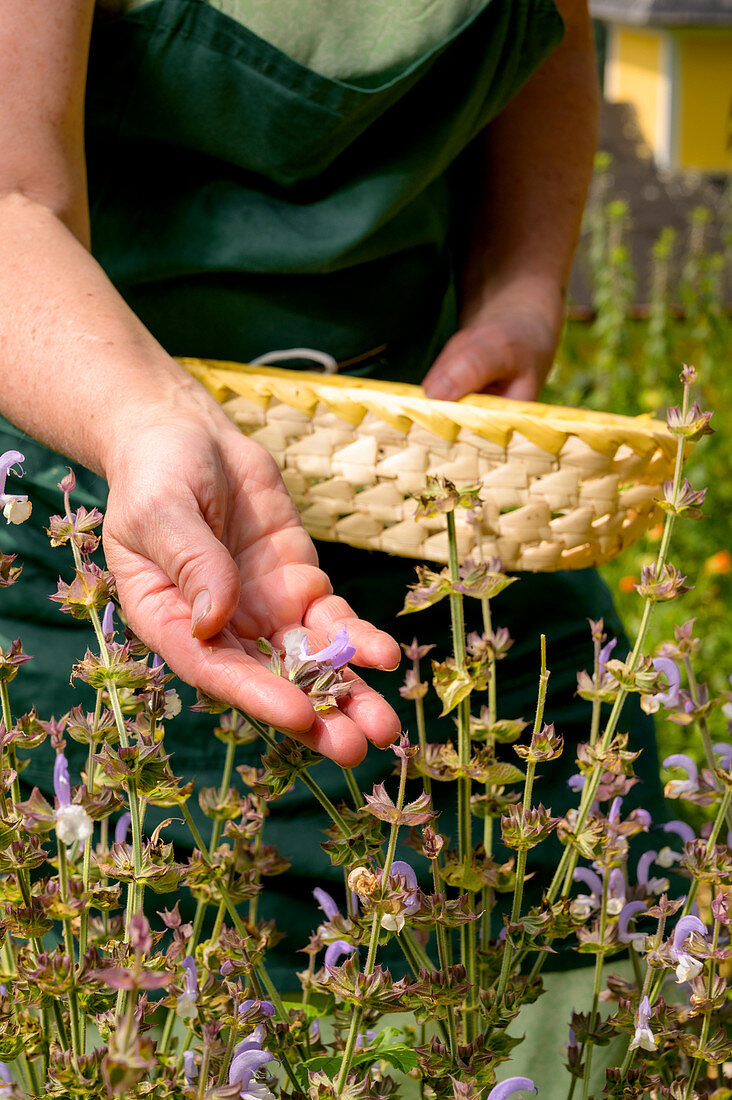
[(209, 554)]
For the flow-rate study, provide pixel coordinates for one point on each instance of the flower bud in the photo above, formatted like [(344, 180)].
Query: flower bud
[(363, 882)]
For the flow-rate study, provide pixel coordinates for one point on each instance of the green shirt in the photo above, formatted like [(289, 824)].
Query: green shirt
[(349, 39)]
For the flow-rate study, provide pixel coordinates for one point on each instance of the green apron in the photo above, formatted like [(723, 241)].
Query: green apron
[(242, 202)]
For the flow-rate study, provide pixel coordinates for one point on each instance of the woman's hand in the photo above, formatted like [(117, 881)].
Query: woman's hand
[(506, 348), (209, 554)]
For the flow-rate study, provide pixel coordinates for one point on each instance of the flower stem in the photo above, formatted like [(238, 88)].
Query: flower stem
[(712, 840), (487, 897), (69, 946), (353, 787), (8, 721), (457, 616), (597, 986), (630, 1052), (357, 1017), (518, 893), (307, 779), (703, 727)]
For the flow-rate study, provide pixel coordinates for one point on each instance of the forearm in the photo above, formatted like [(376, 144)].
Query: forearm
[(78, 368), (537, 165)]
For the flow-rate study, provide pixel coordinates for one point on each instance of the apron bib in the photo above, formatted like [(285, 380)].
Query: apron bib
[(242, 202)]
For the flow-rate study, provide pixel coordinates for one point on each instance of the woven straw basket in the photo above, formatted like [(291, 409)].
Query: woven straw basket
[(563, 488)]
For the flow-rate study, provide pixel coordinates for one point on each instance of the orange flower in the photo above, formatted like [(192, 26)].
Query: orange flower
[(627, 584), (721, 562)]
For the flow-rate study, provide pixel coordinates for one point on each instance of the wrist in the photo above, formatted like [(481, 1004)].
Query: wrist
[(177, 404), (542, 296)]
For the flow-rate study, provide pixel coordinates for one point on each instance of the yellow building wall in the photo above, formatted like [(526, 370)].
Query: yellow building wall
[(704, 72), (633, 74)]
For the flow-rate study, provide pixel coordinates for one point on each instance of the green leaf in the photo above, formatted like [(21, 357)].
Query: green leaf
[(451, 684), (500, 774), (310, 1011)]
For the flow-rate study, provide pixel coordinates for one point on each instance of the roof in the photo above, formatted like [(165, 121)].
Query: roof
[(666, 13)]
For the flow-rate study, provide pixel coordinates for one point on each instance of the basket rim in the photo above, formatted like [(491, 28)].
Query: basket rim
[(563, 417)]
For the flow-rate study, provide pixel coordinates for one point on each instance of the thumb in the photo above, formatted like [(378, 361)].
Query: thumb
[(467, 364), (201, 568)]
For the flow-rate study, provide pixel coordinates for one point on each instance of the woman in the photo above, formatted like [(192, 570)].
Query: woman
[(411, 209)]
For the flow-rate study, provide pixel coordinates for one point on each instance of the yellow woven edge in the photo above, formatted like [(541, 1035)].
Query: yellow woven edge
[(563, 488), (488, 416)]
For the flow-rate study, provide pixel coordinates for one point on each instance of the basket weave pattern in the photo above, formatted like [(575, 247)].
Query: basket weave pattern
[(563, 488)]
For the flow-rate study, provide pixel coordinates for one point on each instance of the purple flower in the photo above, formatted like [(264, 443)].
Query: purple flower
[(120, 829), (185, 1006), (670, 670), (681, 829), (613, 815), (643, 1036), (337, 653), (190, 1068), (403, 870), (724, 751), (326, 903), (677, 788), (644, 864), (248, 1058), (510, 1086), (576, 782), (605, 653), (585, 903), (684, 928), (363, 1039), (394, 922), (157, 661), (615, 891), (191, 976), (265, 1008), (627, 913), (61, 783), (653, 885), (7, 1088), (687, 967), (643, 818), (335, 952), (108, 620)]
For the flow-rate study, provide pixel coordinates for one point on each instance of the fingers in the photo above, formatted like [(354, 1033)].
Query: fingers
[(344, 734), (181, 542), (469, 363), (374, 648)]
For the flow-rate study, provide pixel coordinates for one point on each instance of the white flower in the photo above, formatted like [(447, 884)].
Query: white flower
[(581, 906), (185, 1006), (256, 1090), (73, 824), (667, 857), (688, 967), (393, 922), (16, 509), (643, 1038), (172, 703)]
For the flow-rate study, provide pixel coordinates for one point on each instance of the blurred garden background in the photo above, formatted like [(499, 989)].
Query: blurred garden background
[(652, 288)]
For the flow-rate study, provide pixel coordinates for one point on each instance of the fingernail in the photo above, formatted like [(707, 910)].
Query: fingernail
[(440, 390), (389, 668), (200, 609)]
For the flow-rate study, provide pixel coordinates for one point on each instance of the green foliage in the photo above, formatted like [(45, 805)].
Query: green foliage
[(627, 361)]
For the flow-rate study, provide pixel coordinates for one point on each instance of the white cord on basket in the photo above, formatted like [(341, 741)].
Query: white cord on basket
[(327, 362)]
